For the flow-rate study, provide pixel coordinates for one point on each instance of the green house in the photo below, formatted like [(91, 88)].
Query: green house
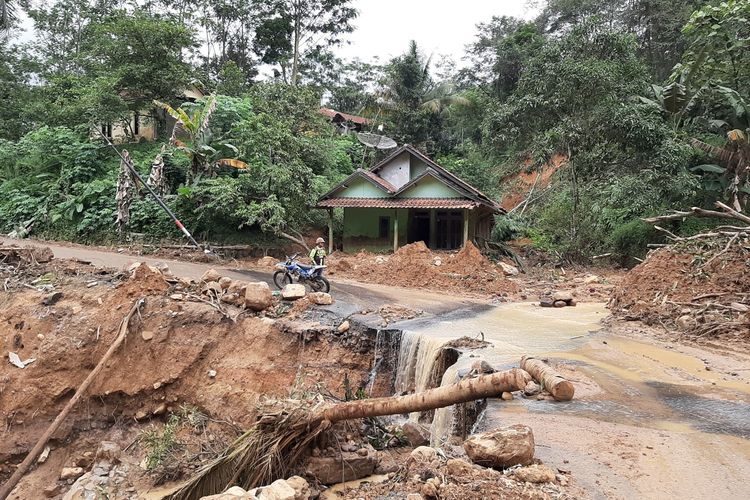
[(406, 198)]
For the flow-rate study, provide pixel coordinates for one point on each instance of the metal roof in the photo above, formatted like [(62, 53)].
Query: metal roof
[(332, 114), (448, 203)]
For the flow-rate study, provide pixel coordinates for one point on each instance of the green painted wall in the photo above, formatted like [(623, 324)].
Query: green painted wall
[(417, 167), (429, 187), (361, 228), (360, 188)]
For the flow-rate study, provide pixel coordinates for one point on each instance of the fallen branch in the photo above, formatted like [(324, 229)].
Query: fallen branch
[(273, 446), (560, 388), (6, 488)]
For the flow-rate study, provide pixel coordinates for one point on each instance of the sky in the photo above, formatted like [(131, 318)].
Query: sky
[(440, 27)]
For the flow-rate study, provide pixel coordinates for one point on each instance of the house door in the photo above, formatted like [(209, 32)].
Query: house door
[(419, 226), (449, 229)]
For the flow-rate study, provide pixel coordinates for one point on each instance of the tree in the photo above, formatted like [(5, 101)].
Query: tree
[(192, 135), (7, 14), (292, 30), (719, 37)]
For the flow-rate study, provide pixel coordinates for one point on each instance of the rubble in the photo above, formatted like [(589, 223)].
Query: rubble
[(293, 291)]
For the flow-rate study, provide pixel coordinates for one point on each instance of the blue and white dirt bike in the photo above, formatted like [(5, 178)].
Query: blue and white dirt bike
[(291, 271)]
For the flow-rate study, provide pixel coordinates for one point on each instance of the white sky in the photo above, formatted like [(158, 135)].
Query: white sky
[(385, 27)]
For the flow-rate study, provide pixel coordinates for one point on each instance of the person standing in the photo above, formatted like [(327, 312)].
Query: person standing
[(318, 253)]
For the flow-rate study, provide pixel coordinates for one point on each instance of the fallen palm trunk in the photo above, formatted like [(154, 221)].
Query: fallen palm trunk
[(6, 488), (560, 388), (272, 448)]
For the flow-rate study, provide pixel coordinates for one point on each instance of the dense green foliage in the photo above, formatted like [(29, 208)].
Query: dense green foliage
[(618, 89)]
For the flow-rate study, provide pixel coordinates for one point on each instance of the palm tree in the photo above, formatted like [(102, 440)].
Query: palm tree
[(7, 14), (192, 135)]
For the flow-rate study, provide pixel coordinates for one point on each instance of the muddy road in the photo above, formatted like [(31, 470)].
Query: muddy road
[(351, 296), (650, 419)]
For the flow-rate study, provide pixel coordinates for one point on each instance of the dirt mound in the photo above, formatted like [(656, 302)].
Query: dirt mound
[(682, 291), (416, 266)]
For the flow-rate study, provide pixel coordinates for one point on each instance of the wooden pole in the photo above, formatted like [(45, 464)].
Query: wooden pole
[(466, 225), (6, 488), (395, 229), (561, 389), (330, 231)]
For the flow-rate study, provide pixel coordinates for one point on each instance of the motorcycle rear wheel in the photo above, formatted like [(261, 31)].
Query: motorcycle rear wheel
[(281, 279), (320, 284)]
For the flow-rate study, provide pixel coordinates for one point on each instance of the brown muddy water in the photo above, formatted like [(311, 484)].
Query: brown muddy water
[(638, 389)]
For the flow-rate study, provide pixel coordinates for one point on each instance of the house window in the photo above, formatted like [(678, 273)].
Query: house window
[(107, 130), (136, 124), (384, 227)]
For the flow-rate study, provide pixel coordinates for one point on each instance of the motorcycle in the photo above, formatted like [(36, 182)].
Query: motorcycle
[(291, 270)]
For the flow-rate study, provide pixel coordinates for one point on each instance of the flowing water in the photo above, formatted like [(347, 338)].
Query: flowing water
[(634, 383)]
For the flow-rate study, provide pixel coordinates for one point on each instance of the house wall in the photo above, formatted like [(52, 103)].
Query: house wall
[(120, 133), (418, 167), (397, 172), (360, 188), (429, 187), (362, 226)]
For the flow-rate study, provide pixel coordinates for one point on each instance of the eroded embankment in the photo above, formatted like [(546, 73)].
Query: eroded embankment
[(180, 352)]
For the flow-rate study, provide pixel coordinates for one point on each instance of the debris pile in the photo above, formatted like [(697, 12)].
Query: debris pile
[(558, 299), (416, 266)]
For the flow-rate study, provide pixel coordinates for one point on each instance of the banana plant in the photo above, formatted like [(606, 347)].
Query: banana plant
[(734, 156), (192, 135)]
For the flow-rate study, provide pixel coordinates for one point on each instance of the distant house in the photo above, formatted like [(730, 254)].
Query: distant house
[(142, 125), (345, 122), (406, 198)]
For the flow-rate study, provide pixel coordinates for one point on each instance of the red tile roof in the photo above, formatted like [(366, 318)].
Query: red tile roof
[(449, 203), (332, 113)]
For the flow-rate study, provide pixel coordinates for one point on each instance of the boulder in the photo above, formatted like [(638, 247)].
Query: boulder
[(258, 296), (424, 454), (481, 367), (501, 448), (211, 275), (560, 303), (225, 282), (507, 396), (293, 291), (300, 486), (237, 286), (71, 473), (416, 434), (320, 298), (232, 493), (562, 295), (508, 270), (532, 389), (685, 322), (429, 490), (536, 473), (343, 327), (346, 467), (546, 302), (591, 279), (278, 490), (52, 490)]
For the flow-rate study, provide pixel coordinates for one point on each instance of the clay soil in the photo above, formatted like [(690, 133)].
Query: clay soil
[(416, 266), (178, 353), (675, 289)]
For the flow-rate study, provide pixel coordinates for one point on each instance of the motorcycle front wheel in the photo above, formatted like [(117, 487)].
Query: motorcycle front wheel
[(281, 279)]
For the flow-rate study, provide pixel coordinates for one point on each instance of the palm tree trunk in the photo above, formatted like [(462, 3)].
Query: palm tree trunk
[(467, 390)]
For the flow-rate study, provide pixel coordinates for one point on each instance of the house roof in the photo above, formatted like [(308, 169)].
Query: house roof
[(362, 174), (447, 203), (443, 174), (468, 196), (333, 114)]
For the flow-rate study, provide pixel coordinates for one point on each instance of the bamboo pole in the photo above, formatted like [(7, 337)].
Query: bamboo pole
[(7, 488), (560, 388)]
